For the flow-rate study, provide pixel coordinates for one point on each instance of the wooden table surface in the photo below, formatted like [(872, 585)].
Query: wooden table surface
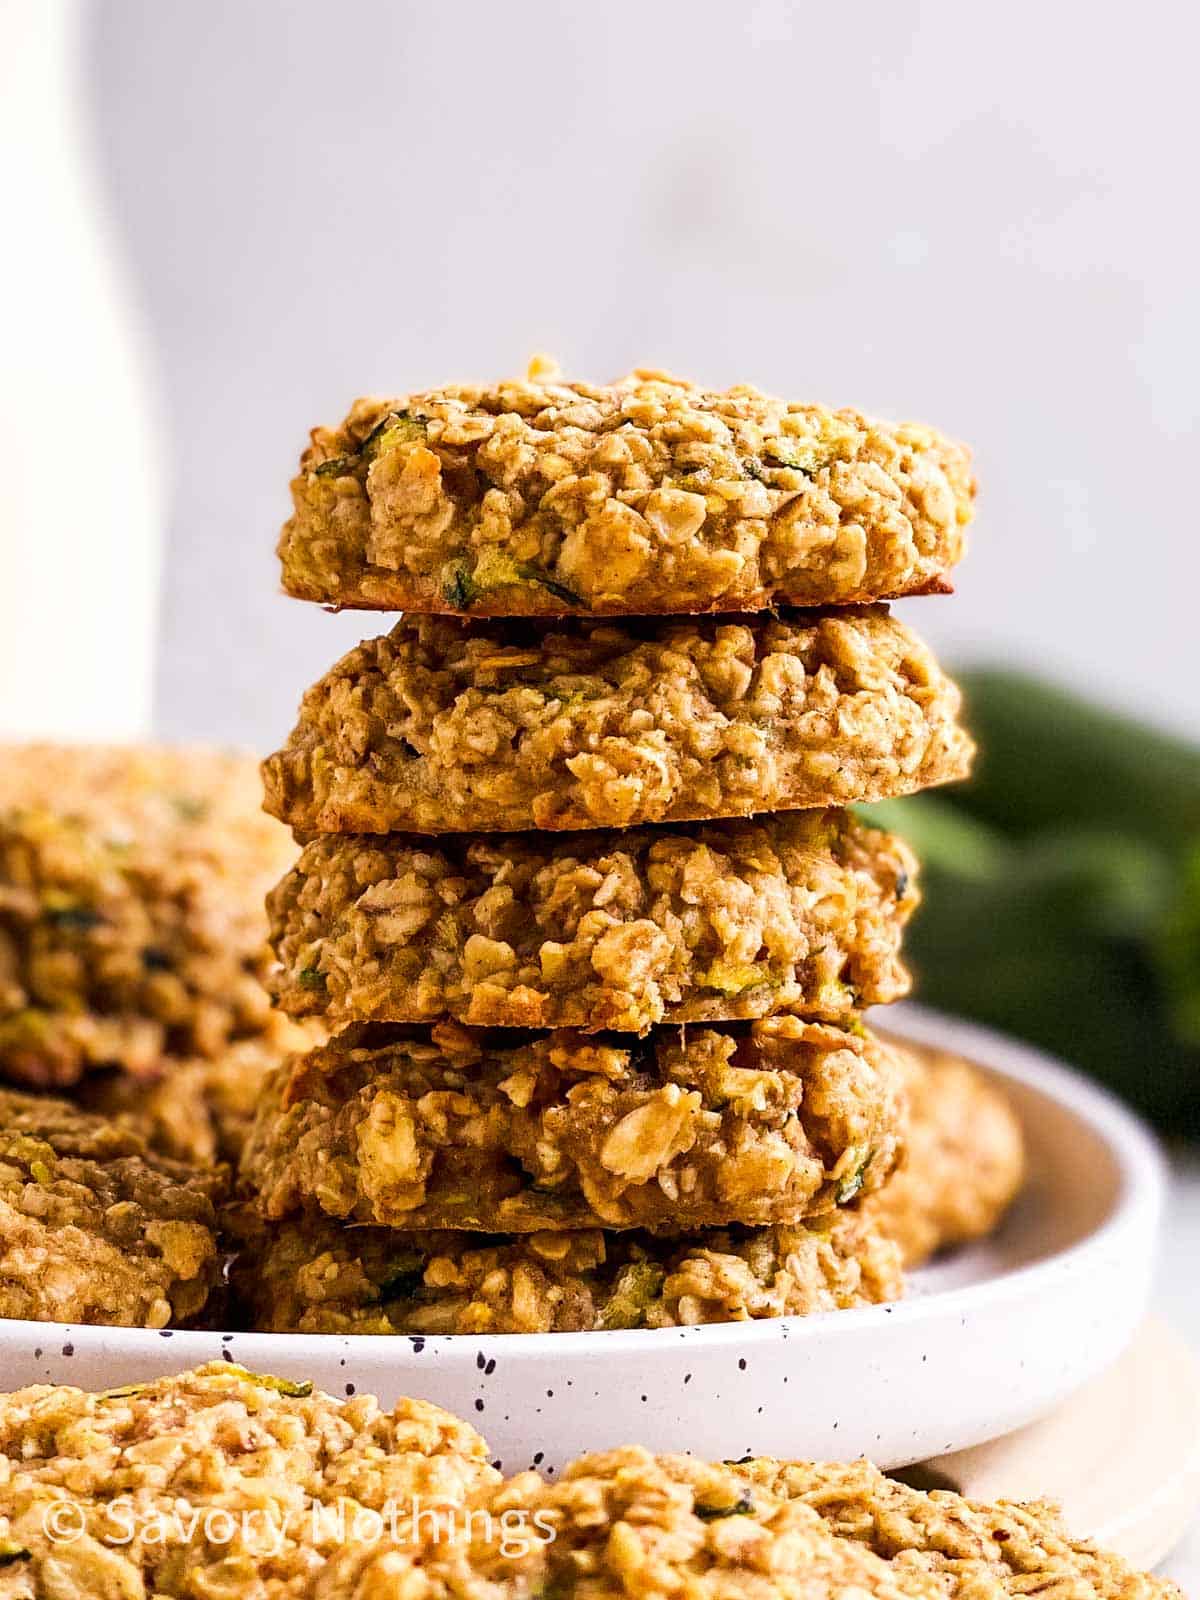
[(1178, 1300)]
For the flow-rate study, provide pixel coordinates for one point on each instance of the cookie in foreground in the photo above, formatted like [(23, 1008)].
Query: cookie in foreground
[(94, 1228), (131, 921), (757, 1123), (801, 913), (282, 1467), (648, 495), (964, 1157), (438, 727), (309, 1274), (277, 1478)]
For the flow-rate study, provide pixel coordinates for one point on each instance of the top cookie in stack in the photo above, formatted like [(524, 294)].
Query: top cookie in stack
[(672, 746), (644, 497)]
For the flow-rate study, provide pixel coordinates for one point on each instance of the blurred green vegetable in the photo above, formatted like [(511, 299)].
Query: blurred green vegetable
[(1062, 889)]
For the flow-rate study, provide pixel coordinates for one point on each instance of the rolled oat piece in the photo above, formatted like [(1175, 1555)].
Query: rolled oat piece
[(650, 495), (964, 1158), (439, 727), (218, 1481), (131, 917), (309, 1274), (801, 913), (94, 1228), (757, 1123)]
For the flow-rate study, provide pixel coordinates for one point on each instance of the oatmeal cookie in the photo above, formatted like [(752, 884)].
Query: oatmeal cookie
[(628, 1525), (648, 495), (94, 1228), (225, 1482), (758, 1123), (964, 1159), (198, 1110), (972, 1550), (283, 1469), (309, 1274), (800, 913), (438, 727), (131, 917)]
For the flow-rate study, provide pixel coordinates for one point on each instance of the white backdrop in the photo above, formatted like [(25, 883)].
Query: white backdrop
[(981, 216)]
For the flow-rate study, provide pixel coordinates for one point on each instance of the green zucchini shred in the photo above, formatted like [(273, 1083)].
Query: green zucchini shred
[(291, 1389), (495, 569), (851, 1186), (638, 1285), (394, 429), (730, 981), (77, 919), (740, 1508), (403, 1280), (458, 586)]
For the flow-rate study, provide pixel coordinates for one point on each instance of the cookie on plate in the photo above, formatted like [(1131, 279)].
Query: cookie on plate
[(95, 1228), (964, 1160), (199, 1110), (307, 1274), (753, 1123)]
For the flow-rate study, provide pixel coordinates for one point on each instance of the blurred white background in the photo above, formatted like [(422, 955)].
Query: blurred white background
[(983, 217)]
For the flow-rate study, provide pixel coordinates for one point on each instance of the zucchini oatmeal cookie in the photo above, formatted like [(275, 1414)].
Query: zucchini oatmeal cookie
[(309, 1274), (441, 727), (198, 1110), (964, 1159), (94, 1228), (800, 913), (283, 1468), (648, 495), (288, 1471), (131, 920), (971, 1549), (770, 1122), (628, 1525)]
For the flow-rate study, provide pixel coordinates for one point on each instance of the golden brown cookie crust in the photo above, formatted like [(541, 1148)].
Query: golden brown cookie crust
[(801, 914), (964, 1160), (308, 1274), (437, 727), (131, 921), (94, 1228), (650, 495), (755, 1123)]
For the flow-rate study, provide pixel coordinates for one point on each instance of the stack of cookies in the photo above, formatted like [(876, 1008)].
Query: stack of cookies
[(579, 891)]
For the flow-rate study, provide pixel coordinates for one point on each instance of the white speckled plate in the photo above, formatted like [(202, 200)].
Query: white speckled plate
[(987, 1341)]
